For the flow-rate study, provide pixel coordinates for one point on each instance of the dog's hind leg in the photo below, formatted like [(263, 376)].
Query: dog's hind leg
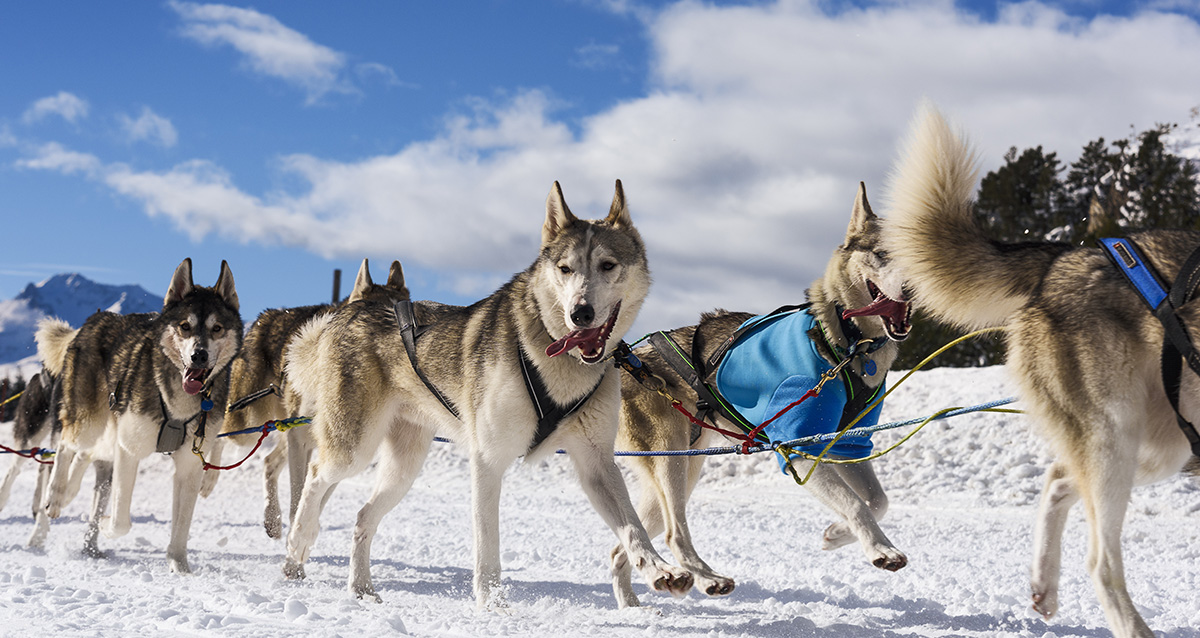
[(400, 461), (100, 498), (60, 493), (829, 488), (1058, 495), (862, 479), (1105, 487)]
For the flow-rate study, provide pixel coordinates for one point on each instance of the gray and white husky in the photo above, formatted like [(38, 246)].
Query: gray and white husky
[(557, 320), (1081, 344), (859, 276), (36, 421), (260, 365), (129, 381)]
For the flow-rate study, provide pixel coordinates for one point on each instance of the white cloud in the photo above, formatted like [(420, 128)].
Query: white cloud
[(149, 127), (740, 162), (268, 47), (65, 105), (597, 56), (54, 157)]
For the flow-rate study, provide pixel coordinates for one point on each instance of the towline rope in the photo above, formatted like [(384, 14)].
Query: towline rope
[(785, 447), (39, 454)]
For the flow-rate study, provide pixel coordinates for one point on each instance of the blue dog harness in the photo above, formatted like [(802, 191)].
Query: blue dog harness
[(1177, 345), (775, 363)]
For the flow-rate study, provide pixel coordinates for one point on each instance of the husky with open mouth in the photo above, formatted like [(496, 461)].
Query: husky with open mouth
[(519, 373), (859, 300), (140, 383)]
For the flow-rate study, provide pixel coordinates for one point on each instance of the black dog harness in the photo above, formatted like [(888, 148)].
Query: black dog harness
[(1164, 304), (550, 413)]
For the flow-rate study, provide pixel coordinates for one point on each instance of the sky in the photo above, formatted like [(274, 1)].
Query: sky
[(295, 138)]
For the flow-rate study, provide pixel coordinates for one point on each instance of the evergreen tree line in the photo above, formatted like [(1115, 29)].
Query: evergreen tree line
[(1111, 190)]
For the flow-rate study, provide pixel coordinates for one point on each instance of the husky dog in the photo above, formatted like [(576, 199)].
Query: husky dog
[(260, 365), (34, 423), (464, 378), (136, 383), (1081, 344), (858, 276)]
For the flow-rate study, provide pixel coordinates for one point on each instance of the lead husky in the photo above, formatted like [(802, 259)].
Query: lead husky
[(1081, 344), (260, 365), (859, 275), (584, 290), (128, 381)]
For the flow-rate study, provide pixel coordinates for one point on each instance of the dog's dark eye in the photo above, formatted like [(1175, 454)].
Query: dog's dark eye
[(566, 270), (608, 265), (216, 329), (184, 326)]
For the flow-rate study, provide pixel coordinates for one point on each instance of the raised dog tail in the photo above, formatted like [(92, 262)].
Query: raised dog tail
[(953, 270), (53, 337)]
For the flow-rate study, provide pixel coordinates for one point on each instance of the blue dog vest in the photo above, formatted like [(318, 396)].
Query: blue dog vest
[(775, 364)]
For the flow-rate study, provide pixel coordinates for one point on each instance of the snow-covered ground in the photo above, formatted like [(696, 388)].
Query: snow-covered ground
[(963, 495)]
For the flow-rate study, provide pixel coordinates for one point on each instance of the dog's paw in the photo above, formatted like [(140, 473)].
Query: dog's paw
[(1045, 602), (54, 505), (715, 585), (293, 570), (365, 592), (673, 580), (890, 559), (179, 565)]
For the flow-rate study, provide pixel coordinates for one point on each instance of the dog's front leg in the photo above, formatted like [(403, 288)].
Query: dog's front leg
[(861, 478), (1058, 495), (189, 475), (605, 488), (56, 496), (272, 466), (486, 475), (125, 466)]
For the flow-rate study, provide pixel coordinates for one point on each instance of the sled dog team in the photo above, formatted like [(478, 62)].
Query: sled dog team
[(526, 371)]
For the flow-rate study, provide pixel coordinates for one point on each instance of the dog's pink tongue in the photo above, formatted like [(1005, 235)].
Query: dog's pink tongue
[(193, 380), (882, 306), (573, 339)]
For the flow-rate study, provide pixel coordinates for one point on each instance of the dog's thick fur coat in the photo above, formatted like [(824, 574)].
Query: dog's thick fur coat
[(122, 377), (260, 364), (1081, 344), (583, 291)]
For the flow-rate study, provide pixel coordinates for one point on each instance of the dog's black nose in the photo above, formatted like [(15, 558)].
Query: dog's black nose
[(583, 314), (200, 358)]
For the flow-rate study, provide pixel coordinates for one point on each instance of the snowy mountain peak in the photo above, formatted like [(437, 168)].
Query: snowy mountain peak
[(69, 296)]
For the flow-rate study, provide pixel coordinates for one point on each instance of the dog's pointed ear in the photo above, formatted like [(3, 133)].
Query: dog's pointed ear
[(181, 282), (862, 215), (225, 286), (395, 279), (362, 282), (618, 213), (558, 216)]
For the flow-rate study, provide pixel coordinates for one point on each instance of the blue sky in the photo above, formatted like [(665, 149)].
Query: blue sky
[(292, 138)]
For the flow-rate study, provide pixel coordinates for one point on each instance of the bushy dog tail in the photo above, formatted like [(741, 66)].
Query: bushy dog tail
[(302, 358), (953, 270), (53, 337)]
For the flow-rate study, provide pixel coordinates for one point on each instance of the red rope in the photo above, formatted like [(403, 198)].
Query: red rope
[(266, 429), (31, 454), (753, 433), (746, 439)]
